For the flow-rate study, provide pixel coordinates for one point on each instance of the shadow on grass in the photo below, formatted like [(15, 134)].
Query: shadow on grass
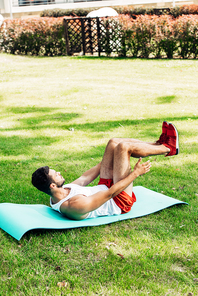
[(104, 57), (166, 99), (19, 145), (30, 109), (1, 98), (58, 119)]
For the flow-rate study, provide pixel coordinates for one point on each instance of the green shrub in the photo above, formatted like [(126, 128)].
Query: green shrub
[(37, 36), (164, 36), (129, 10), (146, 36), (175, 11), (187, 36), (57, 12)]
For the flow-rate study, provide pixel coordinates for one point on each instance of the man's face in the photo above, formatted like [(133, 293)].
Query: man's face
[(56, 177)]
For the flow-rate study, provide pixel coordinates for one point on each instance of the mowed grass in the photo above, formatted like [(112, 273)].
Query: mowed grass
[(61, 112)]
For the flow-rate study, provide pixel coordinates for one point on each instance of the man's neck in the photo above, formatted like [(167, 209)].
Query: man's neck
[(59, 194)]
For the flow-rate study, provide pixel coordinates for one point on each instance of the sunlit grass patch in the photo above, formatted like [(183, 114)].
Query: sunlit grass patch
[(61, 112)]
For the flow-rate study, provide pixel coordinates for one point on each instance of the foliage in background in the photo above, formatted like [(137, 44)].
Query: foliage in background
[(145, 37), (36, 36), (58, 12), (174, 11), (130, 10), (155, 36)]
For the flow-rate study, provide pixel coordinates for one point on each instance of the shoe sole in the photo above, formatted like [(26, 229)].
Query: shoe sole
[(177, 139)]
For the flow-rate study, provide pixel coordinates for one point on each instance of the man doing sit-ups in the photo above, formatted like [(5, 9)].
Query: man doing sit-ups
[(114, 193)]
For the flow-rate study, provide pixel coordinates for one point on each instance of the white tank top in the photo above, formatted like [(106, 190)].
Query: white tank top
[(109, 208)]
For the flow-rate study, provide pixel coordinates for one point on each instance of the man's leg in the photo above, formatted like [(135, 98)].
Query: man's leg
[(121, 164), (106, 170), (116, 160), (122, 153), (136, 148)]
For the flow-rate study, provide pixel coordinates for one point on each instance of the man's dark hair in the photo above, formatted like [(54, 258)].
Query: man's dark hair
[(41, 179)]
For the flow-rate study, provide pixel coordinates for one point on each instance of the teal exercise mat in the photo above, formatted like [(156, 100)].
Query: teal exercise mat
[(17, 219)]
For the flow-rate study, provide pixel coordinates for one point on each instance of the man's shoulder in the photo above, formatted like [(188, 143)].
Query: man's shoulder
[(72, 208)]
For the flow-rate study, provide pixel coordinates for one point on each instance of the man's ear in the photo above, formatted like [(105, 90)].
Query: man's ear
[(52, 186)]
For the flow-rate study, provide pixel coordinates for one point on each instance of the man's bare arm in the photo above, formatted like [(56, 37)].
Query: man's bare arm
[(88, 176), (78, 206)]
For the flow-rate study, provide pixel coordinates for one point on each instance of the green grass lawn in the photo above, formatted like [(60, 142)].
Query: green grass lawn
[(61, 112)]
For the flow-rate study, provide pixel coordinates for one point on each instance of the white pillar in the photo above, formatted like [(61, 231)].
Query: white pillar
[(173, 3), (7, 6), (11, 9)]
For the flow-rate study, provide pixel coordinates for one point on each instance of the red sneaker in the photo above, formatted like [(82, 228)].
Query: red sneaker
[(165, 125), (172, 140), (163, 136)]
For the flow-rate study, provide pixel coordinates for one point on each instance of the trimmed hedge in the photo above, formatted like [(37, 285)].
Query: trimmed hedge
[(145, 37), (129, 10), (36, 36), (174, 12), (58, 12), (153, 36)]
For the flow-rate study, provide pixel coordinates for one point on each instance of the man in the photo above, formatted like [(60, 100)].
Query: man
[(114, 193)]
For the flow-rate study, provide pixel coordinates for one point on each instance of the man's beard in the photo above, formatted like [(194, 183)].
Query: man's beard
[(60, 184)]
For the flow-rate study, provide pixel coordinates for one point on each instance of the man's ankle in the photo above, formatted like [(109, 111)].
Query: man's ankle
[(168, 149)]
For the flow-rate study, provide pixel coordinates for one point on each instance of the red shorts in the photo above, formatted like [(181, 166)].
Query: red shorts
[(122, 200)]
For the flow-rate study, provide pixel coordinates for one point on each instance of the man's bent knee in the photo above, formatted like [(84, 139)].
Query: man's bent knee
[(113, 142), (123, 147)]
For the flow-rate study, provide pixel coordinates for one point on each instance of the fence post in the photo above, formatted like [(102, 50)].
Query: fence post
[(98, 35), (66, 36), (107, 47), (83, 34), (90, 36)]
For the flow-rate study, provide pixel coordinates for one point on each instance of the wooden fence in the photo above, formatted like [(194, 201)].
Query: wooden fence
[(91, 35)]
